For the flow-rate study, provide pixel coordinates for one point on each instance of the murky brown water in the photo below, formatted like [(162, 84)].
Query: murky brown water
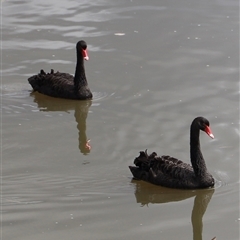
[(153, 67)]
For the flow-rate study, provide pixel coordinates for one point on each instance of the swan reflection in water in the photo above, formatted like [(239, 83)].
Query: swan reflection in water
[(146, 193), (80, 108)]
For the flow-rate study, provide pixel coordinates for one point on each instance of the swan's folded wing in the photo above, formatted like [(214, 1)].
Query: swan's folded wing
[(165, 170), (50, 82), (173, 167)]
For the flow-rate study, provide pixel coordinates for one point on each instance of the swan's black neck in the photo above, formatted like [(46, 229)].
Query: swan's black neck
[(80, 79), (196, 156)]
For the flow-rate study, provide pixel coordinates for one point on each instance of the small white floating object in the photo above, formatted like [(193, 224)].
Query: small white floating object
[(119, 34)]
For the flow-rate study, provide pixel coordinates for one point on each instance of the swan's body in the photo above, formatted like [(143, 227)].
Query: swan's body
[(64, 85), (171, 172)]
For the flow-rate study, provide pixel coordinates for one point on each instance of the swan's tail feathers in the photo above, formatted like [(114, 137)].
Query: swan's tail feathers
[(33, 82), (36, 81), (133, 170), (144, 160), (138, 173), (42, 72), (144, 163)]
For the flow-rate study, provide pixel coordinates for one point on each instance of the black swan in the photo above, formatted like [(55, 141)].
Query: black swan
[(64, 85), (171, 172)]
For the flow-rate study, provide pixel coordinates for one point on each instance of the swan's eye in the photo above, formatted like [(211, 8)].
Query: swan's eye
[(202, 125)]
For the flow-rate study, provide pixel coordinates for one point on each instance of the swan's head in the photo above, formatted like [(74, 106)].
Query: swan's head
[(204, 125), (82, 48)]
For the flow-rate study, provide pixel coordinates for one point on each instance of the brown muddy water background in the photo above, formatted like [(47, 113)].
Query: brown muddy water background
[(154, 66)]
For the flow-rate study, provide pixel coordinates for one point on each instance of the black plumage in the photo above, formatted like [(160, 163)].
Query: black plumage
[(64, 85), (171, 172)]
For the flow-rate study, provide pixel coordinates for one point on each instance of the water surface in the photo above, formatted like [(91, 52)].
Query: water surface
[(154, 66)]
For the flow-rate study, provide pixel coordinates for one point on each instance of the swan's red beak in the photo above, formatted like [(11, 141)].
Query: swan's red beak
[(85, 54), (208, 132)]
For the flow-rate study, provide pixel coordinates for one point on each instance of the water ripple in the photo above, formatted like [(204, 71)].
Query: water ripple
[(97, 96)]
